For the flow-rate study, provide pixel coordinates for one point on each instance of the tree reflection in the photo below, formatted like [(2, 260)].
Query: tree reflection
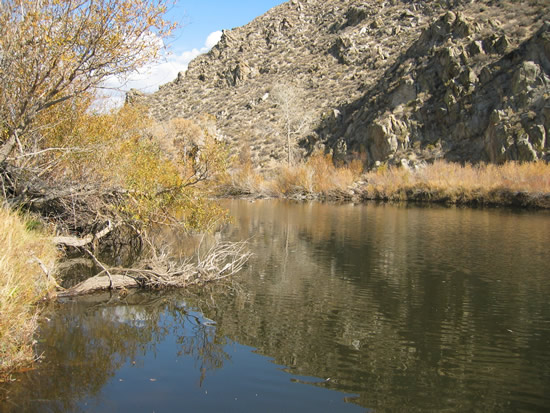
[(403, 308), (425, 308), (85, 342), (201, 343)]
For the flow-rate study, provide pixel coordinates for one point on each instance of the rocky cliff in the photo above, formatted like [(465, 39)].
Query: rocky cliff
[(392, 81)]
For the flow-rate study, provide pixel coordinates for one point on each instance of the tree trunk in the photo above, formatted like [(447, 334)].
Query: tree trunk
[(288, 133), (7, 147)]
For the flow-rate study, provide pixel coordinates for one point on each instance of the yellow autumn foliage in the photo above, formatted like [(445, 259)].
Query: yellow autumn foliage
[(56, 50), (164, 167)]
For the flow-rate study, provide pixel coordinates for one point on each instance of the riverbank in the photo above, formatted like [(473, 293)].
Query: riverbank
[(512, 184), (28, 256), (27, 259)]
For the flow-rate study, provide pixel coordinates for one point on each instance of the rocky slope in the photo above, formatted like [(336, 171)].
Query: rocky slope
[(391, 81)]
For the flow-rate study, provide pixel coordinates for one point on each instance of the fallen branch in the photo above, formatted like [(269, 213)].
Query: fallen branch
[(46, 271), (99, 283), (102, 266), (77, 242), (221, 261)]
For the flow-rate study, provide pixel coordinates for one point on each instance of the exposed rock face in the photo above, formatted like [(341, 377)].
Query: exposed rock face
[(464, 80)]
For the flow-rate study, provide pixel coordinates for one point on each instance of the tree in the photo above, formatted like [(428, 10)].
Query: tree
[(54, 50), (294, 117)]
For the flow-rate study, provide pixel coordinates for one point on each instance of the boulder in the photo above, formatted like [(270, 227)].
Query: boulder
[(404, 93), (449, 63), (356, 15), (502, 44), (340, 150), (241, 72), (385, 136), (461, 28), (496, 44), (525, 77), (468, 77), (537, 136), (498, 139), (475, 48), (344, 50), (133, 96), (525, 151)]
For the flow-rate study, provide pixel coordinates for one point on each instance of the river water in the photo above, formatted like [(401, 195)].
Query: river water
[(361, 308)]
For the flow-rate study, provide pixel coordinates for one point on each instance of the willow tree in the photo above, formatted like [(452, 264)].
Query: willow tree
[(54, 50)]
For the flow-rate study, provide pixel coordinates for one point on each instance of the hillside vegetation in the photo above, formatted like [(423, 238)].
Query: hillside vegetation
[(394, 81)]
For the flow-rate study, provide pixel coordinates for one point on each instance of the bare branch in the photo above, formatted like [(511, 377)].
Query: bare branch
[(46, 271), (223, 260), (30, 154), (102, 266)]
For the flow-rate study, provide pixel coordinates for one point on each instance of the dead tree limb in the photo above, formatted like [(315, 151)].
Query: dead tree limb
[(222, 260), (102, 266), (77, 242), (46, 271)]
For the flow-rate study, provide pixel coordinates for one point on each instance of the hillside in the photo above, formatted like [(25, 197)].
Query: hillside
[(388, 81)]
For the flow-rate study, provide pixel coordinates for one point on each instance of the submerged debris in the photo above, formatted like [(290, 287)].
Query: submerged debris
[(221, 261)]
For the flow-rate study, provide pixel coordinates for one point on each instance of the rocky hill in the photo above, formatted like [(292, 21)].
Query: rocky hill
[(390, 81)]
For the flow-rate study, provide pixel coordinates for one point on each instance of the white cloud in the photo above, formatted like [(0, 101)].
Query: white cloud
[(148, 79), (213, 39)]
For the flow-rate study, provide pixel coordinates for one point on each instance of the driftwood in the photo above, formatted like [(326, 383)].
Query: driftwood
[(92, 216), (76, 242), (221, 261), (99, 283)]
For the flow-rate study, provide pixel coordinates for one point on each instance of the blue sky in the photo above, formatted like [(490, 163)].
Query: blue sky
[(201, 23), (199, 18)]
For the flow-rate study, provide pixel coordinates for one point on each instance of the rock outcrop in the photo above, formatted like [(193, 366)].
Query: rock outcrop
[(399, 81)]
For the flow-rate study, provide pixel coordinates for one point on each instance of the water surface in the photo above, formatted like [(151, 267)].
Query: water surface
[(342, 308)]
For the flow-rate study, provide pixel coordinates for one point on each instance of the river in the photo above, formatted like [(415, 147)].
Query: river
[(360, 308)]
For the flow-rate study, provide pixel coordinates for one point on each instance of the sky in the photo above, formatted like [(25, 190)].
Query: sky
[(200, 25)]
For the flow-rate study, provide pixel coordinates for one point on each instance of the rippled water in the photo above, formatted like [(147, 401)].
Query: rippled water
[(342, 308)]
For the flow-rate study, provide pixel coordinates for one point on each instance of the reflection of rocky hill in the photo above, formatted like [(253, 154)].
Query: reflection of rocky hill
[(395, 79), (389, 302)]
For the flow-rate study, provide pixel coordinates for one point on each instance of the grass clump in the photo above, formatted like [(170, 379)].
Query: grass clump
[(513, 183), (244, 179), (22, 284), (510, 184), (317, 177)]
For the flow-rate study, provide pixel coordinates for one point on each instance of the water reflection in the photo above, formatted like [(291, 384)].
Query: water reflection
[(87, 342), (430, 308), (389, 308)]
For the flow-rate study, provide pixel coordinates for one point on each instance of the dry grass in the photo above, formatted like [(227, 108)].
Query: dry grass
[(511, 183), (22, 284), (521, 184), (316, 178), (243, 180)]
